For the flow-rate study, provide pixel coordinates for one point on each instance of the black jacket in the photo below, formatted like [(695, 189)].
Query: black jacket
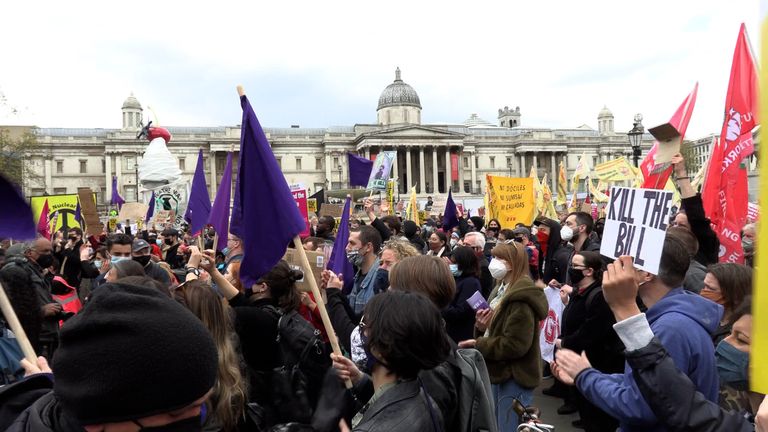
[(342, 316), (588, 326), (381, 227), (555, 264), (154, 271), (403, 408), (459, 316), (72, 269), (49, 330), (45, 414), (486, 280), (673, 397), (172, 256), (709, 245)]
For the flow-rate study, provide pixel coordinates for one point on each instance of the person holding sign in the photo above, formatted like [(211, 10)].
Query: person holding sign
[(682, 321)]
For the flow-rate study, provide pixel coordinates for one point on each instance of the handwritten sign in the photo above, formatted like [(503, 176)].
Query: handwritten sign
[(636, 225), (511, 200)]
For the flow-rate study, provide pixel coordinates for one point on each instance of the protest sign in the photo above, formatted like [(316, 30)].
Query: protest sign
[(312, 205), (636, 225), (89, 213), (380, 171), (132, 211), (300, 196), (614, 170), (511, 200), (64, 206), (332, 210), (316, 262)]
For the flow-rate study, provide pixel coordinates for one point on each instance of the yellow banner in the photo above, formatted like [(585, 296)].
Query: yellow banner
[(596, 192), (549, 206), (65, 205), (511, 200), (538, 193), (614, 170), (562, 184), (312, 205), (581, 171), (759, 350), (391, 196)]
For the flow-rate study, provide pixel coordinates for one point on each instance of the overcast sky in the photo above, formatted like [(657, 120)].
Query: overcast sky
[(323, 63)]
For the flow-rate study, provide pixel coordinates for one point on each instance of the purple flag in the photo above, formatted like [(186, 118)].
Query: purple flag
[(199, 203), (450, 219), (116, 198), (219, 217), (265, 202), (338, 263), (16, 220), (151, 209), (235, 220), (359, 170), (78, 215)]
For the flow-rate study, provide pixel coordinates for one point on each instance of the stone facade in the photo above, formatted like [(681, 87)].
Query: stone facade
[(428, 154)]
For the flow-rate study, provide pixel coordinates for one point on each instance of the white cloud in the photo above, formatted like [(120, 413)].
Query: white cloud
[(325, 63)]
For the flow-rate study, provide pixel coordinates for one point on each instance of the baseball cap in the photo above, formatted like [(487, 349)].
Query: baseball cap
[(140, 244)]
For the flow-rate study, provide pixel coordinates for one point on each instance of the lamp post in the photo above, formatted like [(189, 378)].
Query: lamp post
[(340, 184), (636, 138)]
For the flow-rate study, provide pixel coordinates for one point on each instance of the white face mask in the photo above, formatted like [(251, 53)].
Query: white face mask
[(453, 243), (497, 268), (566, 233)]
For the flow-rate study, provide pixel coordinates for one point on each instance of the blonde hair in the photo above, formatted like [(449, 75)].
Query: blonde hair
[(230, 391), (513, 253), (401, 248)]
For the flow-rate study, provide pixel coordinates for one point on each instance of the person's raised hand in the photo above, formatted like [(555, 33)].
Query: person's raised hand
[(620, 288), (40, 367), (368, 205), (678, 162), (469, 343), (195, 257), (569, 365), (208, 261), (85, 251), (346, 369)]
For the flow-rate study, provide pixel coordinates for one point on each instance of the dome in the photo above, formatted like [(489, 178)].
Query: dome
[(131, 103), (605, 112), (398, 94)]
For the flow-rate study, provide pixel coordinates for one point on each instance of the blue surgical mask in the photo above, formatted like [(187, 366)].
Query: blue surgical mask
[(159, 242), (226, 251), (97, 263), (117, 259), (455, 269), (732, 366)]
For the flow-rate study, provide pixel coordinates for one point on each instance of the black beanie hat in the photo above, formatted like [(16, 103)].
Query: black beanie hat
[(478, 222), (132, 353)]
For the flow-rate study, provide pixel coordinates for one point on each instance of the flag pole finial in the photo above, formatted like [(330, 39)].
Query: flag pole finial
[(240, 90)]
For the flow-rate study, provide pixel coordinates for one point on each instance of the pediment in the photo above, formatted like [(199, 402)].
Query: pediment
[(412, 131)]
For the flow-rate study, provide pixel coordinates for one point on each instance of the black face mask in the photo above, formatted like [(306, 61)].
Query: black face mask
[(73, 238), (45, 260), (192, 424), (143, 260), (169, 242), (576, 276)]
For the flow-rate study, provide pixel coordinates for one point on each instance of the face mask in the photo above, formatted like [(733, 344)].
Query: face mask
[(73, 237), (575, 275), (143, 260), (454, 242), (732, 366), (187, 425), (226, 251), (455, 269), (98, 263), (748, 246), (220, 267), (354, 257), (169, 242), (498, 269), (566, 233), (713, 296), (117, 259), (159, 242), (370, 359), (45, 260)]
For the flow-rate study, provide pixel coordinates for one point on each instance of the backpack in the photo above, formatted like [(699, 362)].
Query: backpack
[(476, 407), (10, 356), (304, 360)]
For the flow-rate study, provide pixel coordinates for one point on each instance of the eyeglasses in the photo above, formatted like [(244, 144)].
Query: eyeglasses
[(578, 267)]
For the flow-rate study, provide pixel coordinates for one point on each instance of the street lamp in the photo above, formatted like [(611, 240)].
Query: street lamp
[(339, 168), (636, 138)]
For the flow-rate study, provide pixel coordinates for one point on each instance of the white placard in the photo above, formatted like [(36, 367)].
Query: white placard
[(636, 225)]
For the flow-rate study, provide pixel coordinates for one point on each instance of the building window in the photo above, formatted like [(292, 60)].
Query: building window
[(182, 164), (129, 163), (493, 161), (467, 187), (477, 162), (298, 163), (59, 167), (59, 191), (279, 162), (466, 162), (130, 193), (83, 166), (509, 161), (335, 162), (205, 164), (38, 192), (103, 166), (318, 164)]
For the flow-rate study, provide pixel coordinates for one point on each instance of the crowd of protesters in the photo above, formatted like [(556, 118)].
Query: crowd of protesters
[(440, 329)]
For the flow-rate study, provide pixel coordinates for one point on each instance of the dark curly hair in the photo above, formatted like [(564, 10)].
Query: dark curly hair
[(281, 281), (405, 330), (17, 283)]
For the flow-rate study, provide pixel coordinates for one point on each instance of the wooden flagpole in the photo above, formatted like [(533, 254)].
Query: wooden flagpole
[(18, 331)]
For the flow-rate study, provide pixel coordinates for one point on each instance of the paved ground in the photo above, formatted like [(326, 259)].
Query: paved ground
[(549, 405)]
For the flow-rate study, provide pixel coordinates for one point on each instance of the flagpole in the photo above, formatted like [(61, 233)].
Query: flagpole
[(16, 328), (319, 299)]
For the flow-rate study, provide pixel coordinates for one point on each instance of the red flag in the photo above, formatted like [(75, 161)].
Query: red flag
[(726, 172), (656, 176), (44, 224)]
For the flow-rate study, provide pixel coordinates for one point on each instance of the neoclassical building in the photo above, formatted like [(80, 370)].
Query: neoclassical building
[(432, 157)]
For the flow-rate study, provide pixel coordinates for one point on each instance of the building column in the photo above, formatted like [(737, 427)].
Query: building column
[(212, 160), (536, 162), (368, 153), (328, 179), (48, 171), (553, 171), (119, 173), (108, 177), (448, 178), (394, 167), (523, 172), (408, 171), (473, 163), (422, 171), (434, 171), (460, 166), (514, 168)]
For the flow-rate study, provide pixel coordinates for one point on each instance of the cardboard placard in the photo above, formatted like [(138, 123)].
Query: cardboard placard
[(636, 225), (316, 261), (132, 211), (333, 210), (93, 225)]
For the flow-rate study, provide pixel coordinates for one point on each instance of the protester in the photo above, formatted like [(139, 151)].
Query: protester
[(141, 254), (683, 322), (475, 223), (477, 243), (748, 234), (157, 253), (376, 222), (395, 251), (459, 315), (555, 254), (170, 248), (393, 224), (510, 329), (74, 259), (122, 269), (411, 232), (494, 224), (362, 251), (506, 234), (147, 282), (146, 389), (587, 327), (577, 229), (227, 402), (522, 235), (403, 335), (311, 244), (233, 256), (325, 227), (437, 245), (727, 284), (694, 277), (17, 281)]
